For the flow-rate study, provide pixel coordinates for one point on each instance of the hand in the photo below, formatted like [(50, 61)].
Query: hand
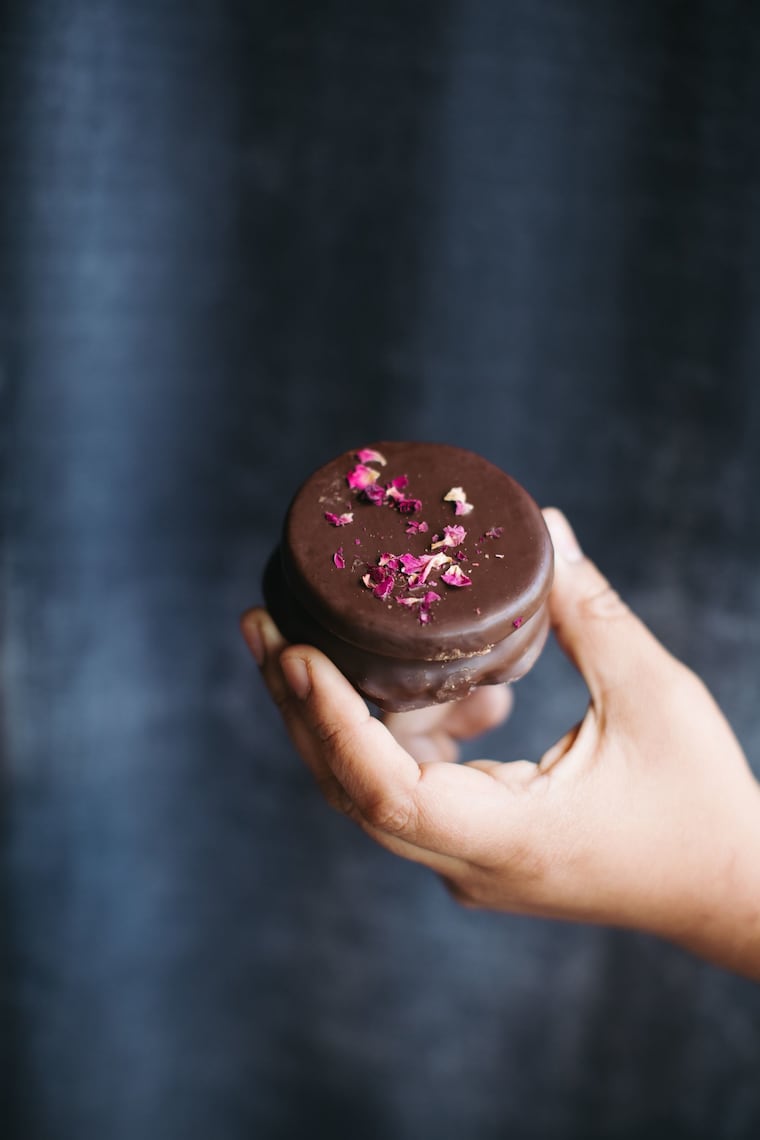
[(644, 815)]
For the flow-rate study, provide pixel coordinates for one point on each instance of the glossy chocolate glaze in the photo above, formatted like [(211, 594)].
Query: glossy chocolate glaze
[(487, 632)]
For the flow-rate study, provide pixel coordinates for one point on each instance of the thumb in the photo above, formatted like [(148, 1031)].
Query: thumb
[(607, 643)]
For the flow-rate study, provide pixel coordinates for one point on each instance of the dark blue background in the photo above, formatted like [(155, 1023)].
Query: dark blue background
[(236, 240)]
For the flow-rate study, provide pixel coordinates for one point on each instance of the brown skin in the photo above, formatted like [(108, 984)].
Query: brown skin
[(645, 815)]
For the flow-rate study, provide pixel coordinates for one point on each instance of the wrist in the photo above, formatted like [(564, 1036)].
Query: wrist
[(716, 914)]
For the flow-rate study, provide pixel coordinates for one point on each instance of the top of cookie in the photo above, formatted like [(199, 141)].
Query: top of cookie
[(417, 550)]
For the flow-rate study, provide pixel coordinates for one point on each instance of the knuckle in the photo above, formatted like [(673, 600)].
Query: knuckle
[(394, 816), (326, 731)]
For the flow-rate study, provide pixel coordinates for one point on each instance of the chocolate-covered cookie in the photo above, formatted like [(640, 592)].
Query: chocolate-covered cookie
[(420, 569)]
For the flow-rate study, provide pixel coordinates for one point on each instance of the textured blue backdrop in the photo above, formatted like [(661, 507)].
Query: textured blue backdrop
[(238, 238)]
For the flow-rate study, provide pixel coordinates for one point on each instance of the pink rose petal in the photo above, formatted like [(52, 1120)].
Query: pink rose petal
[(379, 574), (457, 496), (339, 520), (360, 477), (452, 536), (379, 580), (434, 562), (374, 494), (518, 622), (494, 532), (338, 559), (414, 527), (409, 506), (394, 490), (427, 601), (455, 576), (383, 589), (411, 564), (424, 604), (368, 455)]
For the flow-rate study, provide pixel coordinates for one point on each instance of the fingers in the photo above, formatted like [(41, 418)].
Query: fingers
[(266, 643), (336, 736), (438, 814), (433, 733), (607, 643), (477, 824), (485, 709), (377, 774)]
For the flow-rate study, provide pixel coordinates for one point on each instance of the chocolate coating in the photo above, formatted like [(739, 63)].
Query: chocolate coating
[(487, 632)]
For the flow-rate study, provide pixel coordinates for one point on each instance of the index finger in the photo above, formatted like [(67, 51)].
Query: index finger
[(442, 811)]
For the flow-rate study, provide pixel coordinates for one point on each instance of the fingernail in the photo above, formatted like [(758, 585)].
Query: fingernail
[(296, 675), (563, 537), (254, 641)]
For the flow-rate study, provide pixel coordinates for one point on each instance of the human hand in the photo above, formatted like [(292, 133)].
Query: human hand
[(644, 815)]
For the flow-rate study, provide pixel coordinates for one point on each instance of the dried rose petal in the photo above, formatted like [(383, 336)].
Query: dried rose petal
[(452, 536), (339, 520), (427, 601), (360, 477), (379, 574), (518, 622), (389, 560), (411, 564), (409, 506), (463, 508), (434, 562), (424, 603), (455, 576), (384, 579), (414, 527), (368, 455), (494, 532), (338, 559), (455, 495), (383, 589), (374, 494), (379, 580)]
